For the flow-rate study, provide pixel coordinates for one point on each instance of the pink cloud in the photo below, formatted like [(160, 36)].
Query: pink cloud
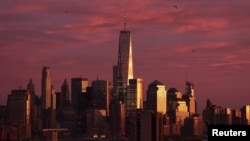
[(73, 37)]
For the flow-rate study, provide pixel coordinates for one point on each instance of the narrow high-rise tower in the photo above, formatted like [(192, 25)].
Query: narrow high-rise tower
[(123, 71), (64, 96), (46, 88), (134, 96), (125, 60), (190, 98)]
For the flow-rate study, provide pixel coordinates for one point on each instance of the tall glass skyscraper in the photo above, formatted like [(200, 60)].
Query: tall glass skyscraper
[(123, 71)]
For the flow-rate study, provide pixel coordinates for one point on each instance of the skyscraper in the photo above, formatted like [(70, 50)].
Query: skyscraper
[(64, 95), (134, 96), (101, 94), (78, 87), (157, 97), (48, 100), (123, 71), (31, 88), (190, 98), (46, 88), (125, 60), (19, 111)]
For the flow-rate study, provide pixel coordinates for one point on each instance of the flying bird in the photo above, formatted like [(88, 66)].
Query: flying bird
[(193, 50), (175, 6)]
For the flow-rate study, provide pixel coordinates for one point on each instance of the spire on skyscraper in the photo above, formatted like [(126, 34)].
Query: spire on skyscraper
[(124, 16), (123, 71)]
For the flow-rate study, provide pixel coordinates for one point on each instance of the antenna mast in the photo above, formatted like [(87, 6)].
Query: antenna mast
[(124, 16)]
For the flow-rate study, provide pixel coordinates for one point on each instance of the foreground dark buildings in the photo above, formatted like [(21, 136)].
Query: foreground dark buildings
[(105, 110)]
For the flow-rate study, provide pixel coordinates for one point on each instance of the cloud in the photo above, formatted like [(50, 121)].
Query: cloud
[(77, 38)]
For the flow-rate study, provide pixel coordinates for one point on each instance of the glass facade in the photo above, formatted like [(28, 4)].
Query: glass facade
[(123, 71), (134, 96)]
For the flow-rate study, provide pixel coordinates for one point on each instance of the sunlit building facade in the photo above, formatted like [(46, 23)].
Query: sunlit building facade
[(46, 88), (157, 97), (134, 96), (177, 111), (246, 114), (190, 98)]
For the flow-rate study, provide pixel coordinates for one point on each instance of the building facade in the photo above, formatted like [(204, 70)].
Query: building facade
[(157, 97), (78, 87), (123, 71), (101, 91), (46, 88), (134, 96)]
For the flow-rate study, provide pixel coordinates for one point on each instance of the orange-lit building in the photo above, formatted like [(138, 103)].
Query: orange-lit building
[(134, 96), (19, 113), (157, 97)]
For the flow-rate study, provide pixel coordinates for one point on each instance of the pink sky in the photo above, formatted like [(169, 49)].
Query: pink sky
[(80, 38)]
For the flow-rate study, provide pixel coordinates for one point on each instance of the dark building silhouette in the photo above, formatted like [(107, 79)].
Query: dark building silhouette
[(78, 88), (151, 126), (62, 98), (236, 117), (95, 122), (2, 114), (19, 112), (117, 118), (101, 94), (214, 114), (193, 126), (132, 126)]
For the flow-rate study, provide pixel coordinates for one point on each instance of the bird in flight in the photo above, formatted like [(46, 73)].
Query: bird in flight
[(175, 6)]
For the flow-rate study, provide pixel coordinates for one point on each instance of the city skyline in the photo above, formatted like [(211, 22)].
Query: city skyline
[(206, 40)]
